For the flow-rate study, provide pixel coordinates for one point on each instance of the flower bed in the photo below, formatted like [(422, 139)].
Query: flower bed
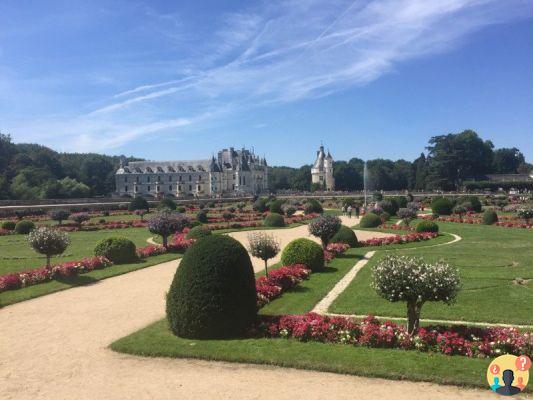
[(399, 239), (5, 232), (473, 219), (150, 250), (334, 249), (279, 281), (394, 227), (455, 340), (35, 276)]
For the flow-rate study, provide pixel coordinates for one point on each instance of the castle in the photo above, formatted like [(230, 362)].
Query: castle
[(234, 172), (322, 170)]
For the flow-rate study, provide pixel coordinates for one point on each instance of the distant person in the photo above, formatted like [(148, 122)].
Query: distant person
[(496, 385), (508, 389), (349, 211), (343, 210), (357, 211)]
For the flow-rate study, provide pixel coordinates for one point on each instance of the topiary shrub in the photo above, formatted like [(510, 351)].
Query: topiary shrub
[(389, 206), (59, 215), (48, 241), (313, 206), (198, 232), (275, 206), (80, 217), (117, 250), (427, 226), (24, 227), (406, 215), (260, 205), (303, 251), (324, 228), (213, 293), (9, 225), (474, 203), (167, 223), (490, 217), (345, 235), (138, 203), (289, 211), (370, 220), (442, 206), (201, 216), (167, 204), (263, 246), (274, 220)]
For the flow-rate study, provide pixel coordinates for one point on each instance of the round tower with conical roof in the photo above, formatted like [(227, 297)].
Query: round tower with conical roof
[(322, 170)]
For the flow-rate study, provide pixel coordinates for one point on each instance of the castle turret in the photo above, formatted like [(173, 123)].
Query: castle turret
[(322, 170)]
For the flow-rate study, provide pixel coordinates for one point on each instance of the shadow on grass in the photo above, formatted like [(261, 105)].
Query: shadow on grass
[(79, 280)]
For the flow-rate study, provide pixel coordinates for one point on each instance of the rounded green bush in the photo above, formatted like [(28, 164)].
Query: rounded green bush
[(167, 203), (198, 232), (427, 226), (475, 204), (138, 203), (442, 206), (370, 220), (274, 220), (201, 216), (389, 206), (24, 227), (303, 251), (275, 206), (117, 250), (490, 217), (9, 225), (213, 293), (313, 206), (345, 235)]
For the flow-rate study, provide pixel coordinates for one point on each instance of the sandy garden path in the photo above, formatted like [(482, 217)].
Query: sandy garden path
[(55, 347)]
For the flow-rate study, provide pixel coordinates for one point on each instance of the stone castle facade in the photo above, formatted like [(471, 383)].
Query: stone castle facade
[(232, 172), (322, 170)]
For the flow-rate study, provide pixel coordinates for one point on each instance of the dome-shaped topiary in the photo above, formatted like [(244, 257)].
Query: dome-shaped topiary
[(345, 235), (275, 206), (274, 220), (117, 250), (427, 226), (138, 203), (370, 220), (442, 206), (303, 251), (490, 217), (201, 216), (473, 203), (9, 225), (199, 232), (313, 206), (24, 227), (213, 293)]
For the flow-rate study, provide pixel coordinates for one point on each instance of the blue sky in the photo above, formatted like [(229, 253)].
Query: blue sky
[(180, 80)]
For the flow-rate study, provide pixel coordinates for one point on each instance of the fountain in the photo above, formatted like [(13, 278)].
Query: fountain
[(365, 179)]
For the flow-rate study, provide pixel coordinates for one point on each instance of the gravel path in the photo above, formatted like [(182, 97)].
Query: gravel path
[(55, 347)]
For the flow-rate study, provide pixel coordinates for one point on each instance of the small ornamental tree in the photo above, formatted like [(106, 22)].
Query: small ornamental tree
[(325, 228), (460, 210), (59, 215), (406, 215), (167, 204), (166, 223), (397, 278), (141, 213), (263, 246), (80, 217), (526, 214), (138, 203), (48, 241)]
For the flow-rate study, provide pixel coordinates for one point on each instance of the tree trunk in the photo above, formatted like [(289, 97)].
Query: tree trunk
[(266, 268), (324, 243), (47, 261), (413, 316), (164, 241)]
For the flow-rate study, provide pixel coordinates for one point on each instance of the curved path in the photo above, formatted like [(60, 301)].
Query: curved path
[(55, 347)]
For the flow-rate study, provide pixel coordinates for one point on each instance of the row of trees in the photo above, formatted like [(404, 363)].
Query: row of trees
[(32, 171), (450, 161)]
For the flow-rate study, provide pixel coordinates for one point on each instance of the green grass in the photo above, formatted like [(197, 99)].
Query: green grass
[(489, 259), (16, 255), (156, 340), (30, 292)]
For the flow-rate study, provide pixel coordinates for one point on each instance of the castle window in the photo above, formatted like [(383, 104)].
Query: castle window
[(125, 179), (158, 178), (179, 188), (244, 180), (137, 179), (179, 178), (148, 180), (190, 178), (190, 188), (157, 188), (148, 188), (170, 178), (170, 188), (125, 188)]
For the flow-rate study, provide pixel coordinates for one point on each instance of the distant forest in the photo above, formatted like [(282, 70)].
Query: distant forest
[(32, 171)]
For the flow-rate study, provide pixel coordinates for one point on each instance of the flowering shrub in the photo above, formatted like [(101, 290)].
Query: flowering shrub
[(263, 246), (278, 281), (48, 241), (335, 249), (80, 217), (325, 228), (179, 242), (150, 250), (166, 223), (399, 239), (397, 278), (406, 215), (526, 214), (455, 340), (31, 277)]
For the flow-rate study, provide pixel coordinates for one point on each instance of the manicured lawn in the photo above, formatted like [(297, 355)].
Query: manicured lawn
[(16, 255), (157, 341), (30, 292), (489, 259)]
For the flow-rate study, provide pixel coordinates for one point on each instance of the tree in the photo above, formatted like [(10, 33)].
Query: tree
[(406, 215), (507, 161), (138, 203), (347, 176), (325, 228), (166, 223), (415, 281), (302, 179), (420, 171), (263, 246), (48, 241), (59, 215), (80, 217)]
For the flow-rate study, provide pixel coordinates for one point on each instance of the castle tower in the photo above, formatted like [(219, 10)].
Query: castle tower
[(322, 170)]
